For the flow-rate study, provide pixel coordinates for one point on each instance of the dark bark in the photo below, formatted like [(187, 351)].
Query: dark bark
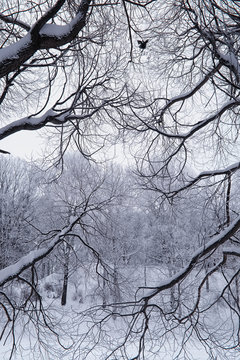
[(35, 40), (65, 275)]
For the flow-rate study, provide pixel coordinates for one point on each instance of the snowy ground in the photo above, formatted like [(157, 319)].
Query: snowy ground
[(70, 326)]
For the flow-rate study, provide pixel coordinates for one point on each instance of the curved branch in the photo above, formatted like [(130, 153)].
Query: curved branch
[(198, 126), (42, 36), (12, 271), (189, 94), (10, 20), (36, 123), (46, 17), (207, 174), (29, 123), (215, 242)]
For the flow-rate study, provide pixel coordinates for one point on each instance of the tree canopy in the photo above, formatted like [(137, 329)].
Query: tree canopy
[(161, 77)]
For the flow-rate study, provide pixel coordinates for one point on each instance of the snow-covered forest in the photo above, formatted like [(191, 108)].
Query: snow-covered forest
[(119, 239)]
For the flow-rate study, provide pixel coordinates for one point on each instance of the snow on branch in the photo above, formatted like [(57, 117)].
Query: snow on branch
[(190, 93), (46, 17), (33, 123), (13, 271), (214, 243), (199, 125), (42, 36), (49, 117), (207, 174)]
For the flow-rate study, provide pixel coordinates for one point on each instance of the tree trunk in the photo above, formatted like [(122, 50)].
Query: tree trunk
[(145, 274), (237, 289), (65, 275), (104, 293), (116, 291)]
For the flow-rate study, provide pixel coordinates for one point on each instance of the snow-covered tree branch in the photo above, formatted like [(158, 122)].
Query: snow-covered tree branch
[(41, 36)]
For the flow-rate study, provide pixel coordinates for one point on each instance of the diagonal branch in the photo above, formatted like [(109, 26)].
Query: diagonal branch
[(36, 123), (214, 243), (207, 174), (189, 94), (14, 21), (42, 36), (50, 117), (12, 271), (199, 125), (46, 17)]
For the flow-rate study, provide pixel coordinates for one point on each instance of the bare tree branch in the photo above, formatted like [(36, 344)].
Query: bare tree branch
[(10, 20)]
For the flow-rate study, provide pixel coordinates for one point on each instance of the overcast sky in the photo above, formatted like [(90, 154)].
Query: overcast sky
[(25, 144)]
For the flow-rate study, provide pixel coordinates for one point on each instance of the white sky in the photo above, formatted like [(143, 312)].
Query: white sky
[(29, 145), (25, 144)]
